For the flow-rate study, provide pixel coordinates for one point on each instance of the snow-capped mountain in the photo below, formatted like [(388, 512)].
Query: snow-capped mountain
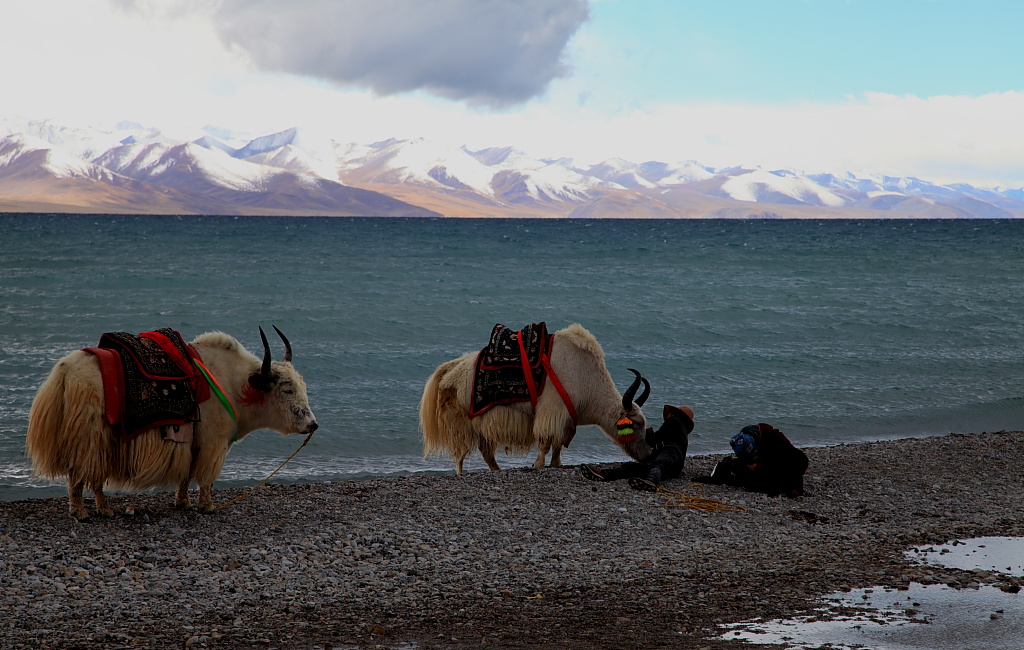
[(132, 168), (187, 165), (155, 174), (783, 187), (25, 153), (417, 162)]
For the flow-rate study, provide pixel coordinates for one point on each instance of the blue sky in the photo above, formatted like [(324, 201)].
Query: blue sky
[(821, 50), (927, 88)]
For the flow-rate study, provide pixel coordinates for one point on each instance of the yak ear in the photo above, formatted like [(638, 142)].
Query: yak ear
[(260, 382)]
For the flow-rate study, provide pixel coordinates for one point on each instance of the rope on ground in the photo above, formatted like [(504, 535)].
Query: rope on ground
[(255, 487), (696, 501)]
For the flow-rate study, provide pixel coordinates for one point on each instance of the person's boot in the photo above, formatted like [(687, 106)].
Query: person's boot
[(591, 472), (643, 484)]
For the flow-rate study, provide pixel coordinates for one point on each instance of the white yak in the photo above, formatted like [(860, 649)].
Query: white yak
[(68, 435), (578, 362)]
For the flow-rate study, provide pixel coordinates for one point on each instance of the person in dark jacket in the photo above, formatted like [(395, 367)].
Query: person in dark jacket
[(668, 453), (763, 460)]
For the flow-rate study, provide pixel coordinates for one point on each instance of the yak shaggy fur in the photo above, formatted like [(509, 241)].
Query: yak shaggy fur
[(578, 360), (68, 435)]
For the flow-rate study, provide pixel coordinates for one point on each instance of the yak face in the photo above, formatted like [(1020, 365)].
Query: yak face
[(632, 425), (632, 430), (279, 390), (283, 399)]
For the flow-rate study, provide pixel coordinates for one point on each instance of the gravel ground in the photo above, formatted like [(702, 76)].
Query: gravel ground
[(511, 559)]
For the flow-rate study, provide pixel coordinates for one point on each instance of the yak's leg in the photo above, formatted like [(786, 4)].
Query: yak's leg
[(101, 499), (206, 470), (556, 455), (543, 444), (486, 448), (76, 506), (181, 499), (205, 504), (459, 458), (561, 442)]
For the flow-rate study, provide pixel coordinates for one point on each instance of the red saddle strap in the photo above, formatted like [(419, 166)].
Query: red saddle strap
[(546, 362), (560, 388), (112, 374), (527, 373)]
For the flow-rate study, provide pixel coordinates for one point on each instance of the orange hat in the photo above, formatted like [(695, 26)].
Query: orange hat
[(684, 413)]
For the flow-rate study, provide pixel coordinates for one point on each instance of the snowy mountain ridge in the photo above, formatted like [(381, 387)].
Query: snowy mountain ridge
[(296, 171)]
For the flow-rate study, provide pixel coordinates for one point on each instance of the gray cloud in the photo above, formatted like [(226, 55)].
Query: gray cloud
[(484, 52)]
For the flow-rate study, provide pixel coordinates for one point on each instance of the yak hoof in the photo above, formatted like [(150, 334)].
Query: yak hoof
[(105, 511), (206, 508), (79, 513)]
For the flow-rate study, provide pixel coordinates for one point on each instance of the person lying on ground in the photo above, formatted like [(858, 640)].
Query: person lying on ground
[(668, 452), (763, 460)]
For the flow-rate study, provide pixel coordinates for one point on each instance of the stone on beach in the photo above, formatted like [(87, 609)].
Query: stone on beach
[(517, 558)]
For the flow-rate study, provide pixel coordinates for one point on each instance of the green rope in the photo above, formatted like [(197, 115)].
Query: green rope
[(215, 387)]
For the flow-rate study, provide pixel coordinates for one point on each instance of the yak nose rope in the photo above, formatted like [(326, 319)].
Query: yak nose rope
[(256, 487), (696, 501)]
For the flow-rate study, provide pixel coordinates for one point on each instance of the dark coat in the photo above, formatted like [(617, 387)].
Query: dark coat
[(668, 451), (671, 435), (777, 467)]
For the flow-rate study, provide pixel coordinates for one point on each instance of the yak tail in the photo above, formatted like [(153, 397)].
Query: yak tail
[(443, 420), (67, 434), (43, 442)]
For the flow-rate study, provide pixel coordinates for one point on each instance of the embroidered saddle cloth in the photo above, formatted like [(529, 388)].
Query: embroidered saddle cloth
[(149, 381), (498, 377)]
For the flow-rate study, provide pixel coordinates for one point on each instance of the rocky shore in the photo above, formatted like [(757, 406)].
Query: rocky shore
[(511, 559)]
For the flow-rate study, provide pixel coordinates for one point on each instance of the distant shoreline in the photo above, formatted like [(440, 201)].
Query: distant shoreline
[(790, 214), (512, 559)]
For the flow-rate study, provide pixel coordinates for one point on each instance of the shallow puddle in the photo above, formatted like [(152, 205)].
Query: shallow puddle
[(1003, 554), (922, 617)]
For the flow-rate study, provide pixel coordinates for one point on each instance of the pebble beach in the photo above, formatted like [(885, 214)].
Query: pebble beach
[(518, 558)]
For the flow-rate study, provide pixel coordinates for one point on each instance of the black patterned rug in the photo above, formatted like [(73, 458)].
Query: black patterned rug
[(159, 385), (498, 377)]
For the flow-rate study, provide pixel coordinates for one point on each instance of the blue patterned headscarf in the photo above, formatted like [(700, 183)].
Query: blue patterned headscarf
[(743, 444)]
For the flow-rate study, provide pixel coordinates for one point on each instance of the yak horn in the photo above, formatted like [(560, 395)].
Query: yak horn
[(265, 370), (287, 345), (627, 397), (644, 395)]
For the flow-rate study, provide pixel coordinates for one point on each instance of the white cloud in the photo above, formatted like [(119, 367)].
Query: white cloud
[(485, 52), (943, 139), (164, 64), (79, 59)]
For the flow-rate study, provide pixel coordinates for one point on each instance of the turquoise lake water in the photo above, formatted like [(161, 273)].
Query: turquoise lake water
[(833, 331)]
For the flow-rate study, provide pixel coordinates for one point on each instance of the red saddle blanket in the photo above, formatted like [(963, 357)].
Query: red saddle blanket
[(498, 377), (149, 380)]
